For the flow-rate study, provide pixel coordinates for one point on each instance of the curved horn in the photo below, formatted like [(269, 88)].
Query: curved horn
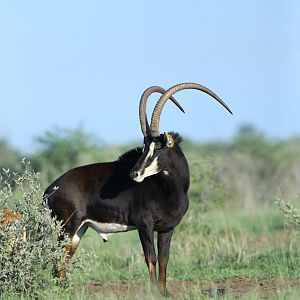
[(174, 89), (142, 107)]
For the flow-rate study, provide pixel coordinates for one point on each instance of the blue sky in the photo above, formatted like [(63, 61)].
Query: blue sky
[(65, 63)]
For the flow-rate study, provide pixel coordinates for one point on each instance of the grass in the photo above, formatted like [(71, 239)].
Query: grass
[(250, 255), (224, 245)]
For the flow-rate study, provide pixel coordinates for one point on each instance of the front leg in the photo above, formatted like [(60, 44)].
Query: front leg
[(146, 234), (163, 245)]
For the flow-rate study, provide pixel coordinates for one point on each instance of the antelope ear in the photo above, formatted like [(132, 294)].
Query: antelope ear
[(169, 140)]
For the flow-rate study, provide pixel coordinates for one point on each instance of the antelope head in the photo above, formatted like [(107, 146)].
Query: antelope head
[(158, 149)]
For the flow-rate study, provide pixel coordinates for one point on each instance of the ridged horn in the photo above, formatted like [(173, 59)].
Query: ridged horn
[(142, 107), (154, 127)]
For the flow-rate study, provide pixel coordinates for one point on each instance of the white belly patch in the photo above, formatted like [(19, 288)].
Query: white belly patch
[(105, 229)]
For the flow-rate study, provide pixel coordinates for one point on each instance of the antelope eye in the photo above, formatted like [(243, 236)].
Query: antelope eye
[(158, 146)]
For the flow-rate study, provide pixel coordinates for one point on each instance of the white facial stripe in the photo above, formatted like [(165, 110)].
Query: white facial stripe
[(150, 152), (151, 147), (140, 178), (152, 169)]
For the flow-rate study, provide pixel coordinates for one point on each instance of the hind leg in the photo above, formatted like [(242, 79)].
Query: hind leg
[(71, 249)]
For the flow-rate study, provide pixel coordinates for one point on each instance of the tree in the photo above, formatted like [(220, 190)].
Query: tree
[(60, 150), (9, 157)]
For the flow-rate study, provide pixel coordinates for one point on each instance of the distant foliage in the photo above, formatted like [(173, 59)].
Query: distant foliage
[(62, 149), (207, 188), (26, 265), (9, 157), (254, 169), (244, 172)]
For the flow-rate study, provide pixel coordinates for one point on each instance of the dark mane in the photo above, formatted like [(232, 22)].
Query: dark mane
[(133, 154)]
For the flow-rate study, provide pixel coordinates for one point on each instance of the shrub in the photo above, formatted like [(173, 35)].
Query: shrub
[(26, 265), (206, 188), (290, 212)]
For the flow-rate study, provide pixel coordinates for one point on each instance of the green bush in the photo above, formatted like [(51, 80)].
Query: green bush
[(206, 188), (26, 265), (290, 212)]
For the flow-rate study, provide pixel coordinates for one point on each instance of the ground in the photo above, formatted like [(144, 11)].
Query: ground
[(180, 289)]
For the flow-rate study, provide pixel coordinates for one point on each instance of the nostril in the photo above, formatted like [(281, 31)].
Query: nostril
[(134, 175)]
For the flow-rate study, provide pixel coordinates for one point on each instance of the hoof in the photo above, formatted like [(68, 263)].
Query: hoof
[(166, 294)]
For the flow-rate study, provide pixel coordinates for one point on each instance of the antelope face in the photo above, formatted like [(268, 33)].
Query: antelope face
[(155, 158), (154, 152)]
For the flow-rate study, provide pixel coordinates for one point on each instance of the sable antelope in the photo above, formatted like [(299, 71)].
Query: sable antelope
[(145, 189), (7, 216)]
